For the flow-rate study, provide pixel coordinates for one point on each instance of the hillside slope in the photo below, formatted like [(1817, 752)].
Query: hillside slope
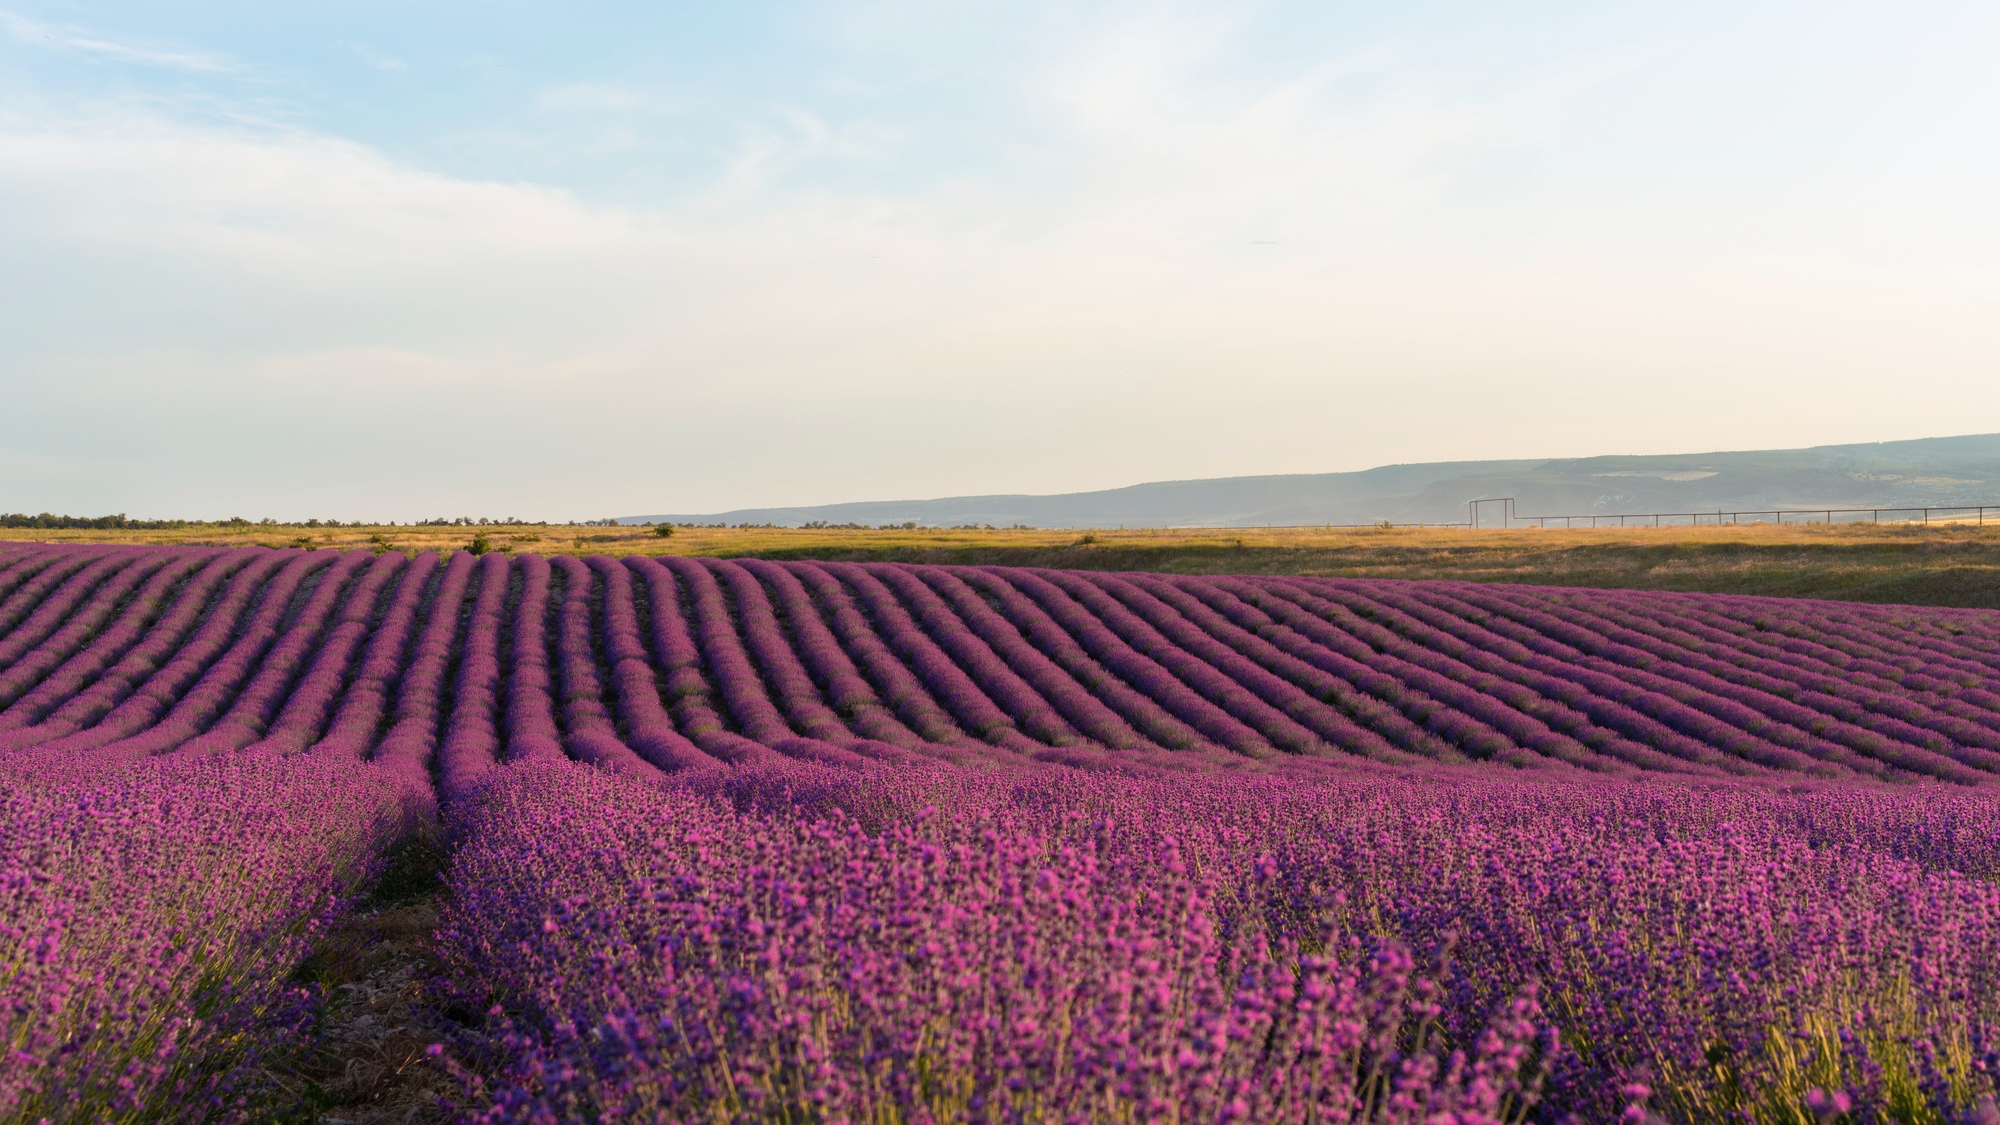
[(1949, 470)]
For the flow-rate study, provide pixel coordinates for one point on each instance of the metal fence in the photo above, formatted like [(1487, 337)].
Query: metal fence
[(1943, 512)]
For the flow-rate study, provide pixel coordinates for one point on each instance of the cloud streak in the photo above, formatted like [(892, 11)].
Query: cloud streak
[(370, 57), (71, 38)]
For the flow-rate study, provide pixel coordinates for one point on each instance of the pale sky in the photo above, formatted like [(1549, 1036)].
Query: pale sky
[(364, 260)]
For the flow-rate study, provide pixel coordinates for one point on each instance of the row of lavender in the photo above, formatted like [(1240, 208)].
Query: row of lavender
[(151, 915), (671, 663), (1448, 945)]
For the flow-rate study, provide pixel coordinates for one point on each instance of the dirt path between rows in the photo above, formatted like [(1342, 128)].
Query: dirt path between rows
[(368, 1060)]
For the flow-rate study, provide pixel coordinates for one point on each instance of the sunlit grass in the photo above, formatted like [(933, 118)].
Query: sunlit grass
[(1943, 564)]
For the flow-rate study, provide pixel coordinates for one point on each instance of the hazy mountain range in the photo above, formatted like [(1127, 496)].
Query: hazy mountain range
[(1935, 471)]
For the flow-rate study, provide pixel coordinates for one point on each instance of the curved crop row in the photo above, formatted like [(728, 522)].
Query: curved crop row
[(667, 664)]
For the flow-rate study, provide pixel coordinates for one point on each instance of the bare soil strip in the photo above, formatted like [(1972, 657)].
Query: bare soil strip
[(368, 1061)]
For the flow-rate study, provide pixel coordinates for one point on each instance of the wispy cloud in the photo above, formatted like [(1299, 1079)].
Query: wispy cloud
[(72, 38), (597, 97), (786, 329), (770, 152), (369, 56)]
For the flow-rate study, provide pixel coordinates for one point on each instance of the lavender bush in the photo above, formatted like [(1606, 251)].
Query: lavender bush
[(926, 943), (681, 958), (149, 918)]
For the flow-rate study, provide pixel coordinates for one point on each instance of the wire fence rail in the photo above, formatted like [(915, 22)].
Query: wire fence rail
[(1507, 517), (1975, 513)]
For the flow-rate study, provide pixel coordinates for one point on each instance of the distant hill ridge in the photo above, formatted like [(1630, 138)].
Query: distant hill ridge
[(1933, 471)]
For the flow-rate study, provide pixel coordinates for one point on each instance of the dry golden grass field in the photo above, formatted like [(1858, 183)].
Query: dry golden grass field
[(1950, 564)]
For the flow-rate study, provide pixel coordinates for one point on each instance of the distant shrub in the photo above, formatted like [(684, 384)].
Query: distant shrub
[(664, 531), (478, 546)]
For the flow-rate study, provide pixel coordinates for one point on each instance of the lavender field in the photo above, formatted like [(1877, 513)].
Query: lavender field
[(750, 841)]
